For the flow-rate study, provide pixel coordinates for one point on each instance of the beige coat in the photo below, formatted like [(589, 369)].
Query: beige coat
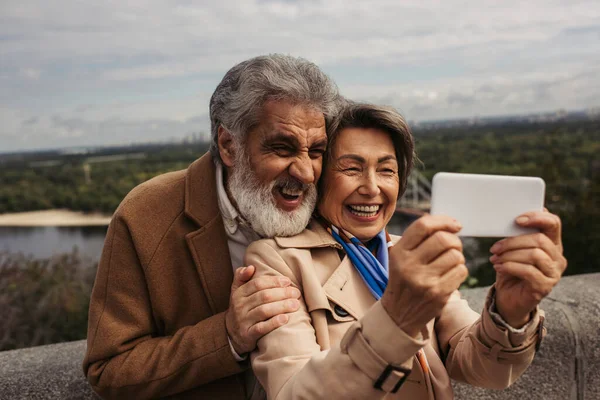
[(340, 340)]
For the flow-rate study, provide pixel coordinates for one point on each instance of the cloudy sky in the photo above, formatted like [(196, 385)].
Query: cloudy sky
[(88, 72)]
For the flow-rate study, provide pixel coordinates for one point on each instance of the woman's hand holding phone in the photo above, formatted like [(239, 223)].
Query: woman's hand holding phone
[(528, 266), (426, 266)]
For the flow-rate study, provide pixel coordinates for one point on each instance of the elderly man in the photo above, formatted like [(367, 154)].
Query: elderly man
[(167, 316)]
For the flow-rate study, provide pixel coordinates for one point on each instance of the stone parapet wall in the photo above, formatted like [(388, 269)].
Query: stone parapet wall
[(566, 367)]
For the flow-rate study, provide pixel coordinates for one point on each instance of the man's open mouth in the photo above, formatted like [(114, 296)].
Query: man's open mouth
[(364, 210), (290, 194)]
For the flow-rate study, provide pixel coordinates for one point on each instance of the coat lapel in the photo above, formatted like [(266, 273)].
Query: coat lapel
[(346, 288), (209, 249), (343, 286), (208, 245)]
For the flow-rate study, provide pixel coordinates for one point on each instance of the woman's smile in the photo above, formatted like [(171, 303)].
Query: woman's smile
[(364, 211), (360, 184)]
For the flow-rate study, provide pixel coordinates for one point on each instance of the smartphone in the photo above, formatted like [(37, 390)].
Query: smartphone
[(487, 205)]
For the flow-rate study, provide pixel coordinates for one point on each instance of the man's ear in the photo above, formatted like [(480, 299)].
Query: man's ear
[(226, 146)]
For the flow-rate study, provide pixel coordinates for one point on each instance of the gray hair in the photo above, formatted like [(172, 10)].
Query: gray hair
[(386, 119), (237, 101)]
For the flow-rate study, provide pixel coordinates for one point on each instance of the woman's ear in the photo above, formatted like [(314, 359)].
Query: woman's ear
[(226, 146)]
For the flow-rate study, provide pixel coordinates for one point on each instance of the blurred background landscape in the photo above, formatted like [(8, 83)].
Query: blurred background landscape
[(97, 98)]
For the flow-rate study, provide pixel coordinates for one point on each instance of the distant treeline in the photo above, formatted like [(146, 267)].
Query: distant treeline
[(45, 181), (565, 154)]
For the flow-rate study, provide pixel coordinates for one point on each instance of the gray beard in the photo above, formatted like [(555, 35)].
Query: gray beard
[(256, 203)]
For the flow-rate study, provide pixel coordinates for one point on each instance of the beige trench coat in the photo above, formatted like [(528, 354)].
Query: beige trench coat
[(340, 341)]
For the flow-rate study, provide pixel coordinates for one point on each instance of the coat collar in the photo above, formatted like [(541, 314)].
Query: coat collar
[(346, 288), (315, 235)]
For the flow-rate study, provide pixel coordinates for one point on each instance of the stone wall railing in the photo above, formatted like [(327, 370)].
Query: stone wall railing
[(566, 367)]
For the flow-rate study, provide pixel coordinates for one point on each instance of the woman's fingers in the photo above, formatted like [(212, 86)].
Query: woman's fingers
[(426, 226), (540, 283), (447, 260), (548, 224), (454, 277), (529, 241), (533, 256)]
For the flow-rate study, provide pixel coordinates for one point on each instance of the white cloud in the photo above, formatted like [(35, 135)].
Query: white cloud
[(30, 73), (133, 62)]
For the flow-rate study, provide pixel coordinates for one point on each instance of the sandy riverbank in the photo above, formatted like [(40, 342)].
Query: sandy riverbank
[(54, 218)]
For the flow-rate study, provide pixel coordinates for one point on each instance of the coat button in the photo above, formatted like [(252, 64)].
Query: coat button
[(340, 312)]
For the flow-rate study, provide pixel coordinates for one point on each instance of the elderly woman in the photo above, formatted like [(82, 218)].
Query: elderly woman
[(380, 316)]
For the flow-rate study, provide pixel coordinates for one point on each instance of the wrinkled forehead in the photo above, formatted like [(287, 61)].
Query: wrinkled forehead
[(293, 122)]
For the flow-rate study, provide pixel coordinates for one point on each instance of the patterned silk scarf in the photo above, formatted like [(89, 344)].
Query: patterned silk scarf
[(372, 263)]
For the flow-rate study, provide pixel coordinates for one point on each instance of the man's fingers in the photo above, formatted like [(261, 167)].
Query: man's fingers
[(548, 223), (425, 226), (536, 257), (266, 311), (244, 274), (260, 329), (264, 282), (241, 276), (271, 295)]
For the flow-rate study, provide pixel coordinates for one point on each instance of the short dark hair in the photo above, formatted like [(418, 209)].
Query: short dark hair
[(386, 119)]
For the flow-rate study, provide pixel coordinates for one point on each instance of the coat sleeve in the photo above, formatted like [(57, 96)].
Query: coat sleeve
[(290, 364), (481, 352), (126, 357)]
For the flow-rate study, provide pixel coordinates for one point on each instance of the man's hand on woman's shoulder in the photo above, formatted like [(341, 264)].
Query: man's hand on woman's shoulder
[(257, 306)]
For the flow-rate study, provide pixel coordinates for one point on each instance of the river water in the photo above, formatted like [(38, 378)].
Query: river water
[(45, 242)]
